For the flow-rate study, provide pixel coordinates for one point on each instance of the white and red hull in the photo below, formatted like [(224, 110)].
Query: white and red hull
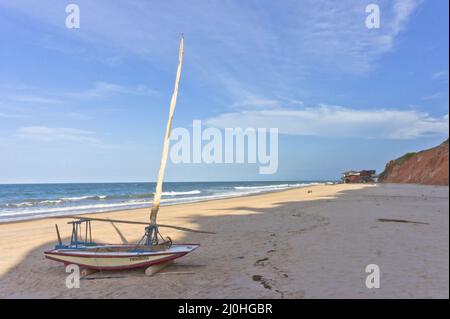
[(91, 258)]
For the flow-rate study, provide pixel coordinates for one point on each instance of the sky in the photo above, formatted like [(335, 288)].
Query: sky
[(90, 104)]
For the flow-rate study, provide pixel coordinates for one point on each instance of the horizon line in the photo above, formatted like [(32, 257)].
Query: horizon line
[(140, 182)]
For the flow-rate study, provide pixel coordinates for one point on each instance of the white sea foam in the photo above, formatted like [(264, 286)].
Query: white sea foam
[(48, 201), (19, 204), (94, 207), (53, 201), (75, 199), (70, 205), (262, 187), (193, 192), (273, 186)]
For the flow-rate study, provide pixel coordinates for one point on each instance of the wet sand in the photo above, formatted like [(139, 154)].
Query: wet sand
[(312, 242)]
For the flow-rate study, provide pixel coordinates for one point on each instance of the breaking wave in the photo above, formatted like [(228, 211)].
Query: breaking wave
[(115, 196)]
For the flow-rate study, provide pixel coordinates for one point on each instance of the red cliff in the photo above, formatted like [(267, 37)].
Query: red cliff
[(425, 167)]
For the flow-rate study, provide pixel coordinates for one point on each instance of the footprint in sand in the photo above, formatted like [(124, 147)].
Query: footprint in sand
[(261, 262), (263, 281)]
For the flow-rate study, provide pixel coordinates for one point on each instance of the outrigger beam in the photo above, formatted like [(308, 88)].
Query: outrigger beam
[(138, 223)]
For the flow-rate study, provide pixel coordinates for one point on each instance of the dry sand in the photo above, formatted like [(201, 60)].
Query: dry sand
[(289, 244)]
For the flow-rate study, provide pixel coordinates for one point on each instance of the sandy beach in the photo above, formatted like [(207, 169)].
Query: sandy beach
[(312, 242)]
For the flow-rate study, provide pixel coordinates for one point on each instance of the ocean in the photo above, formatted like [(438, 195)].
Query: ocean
[(29, 201)]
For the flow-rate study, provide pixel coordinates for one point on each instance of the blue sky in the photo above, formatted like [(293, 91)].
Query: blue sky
[(90, 104)]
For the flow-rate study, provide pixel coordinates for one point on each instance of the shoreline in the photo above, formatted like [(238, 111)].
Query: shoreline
[(173, 204)]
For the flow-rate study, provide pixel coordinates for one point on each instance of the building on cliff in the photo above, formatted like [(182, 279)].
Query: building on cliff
[(364, 176)]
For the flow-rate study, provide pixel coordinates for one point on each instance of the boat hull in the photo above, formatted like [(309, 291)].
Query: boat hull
[(90, 258)]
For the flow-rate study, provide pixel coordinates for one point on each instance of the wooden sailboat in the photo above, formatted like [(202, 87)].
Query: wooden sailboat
[(150, 250), (86, 253)]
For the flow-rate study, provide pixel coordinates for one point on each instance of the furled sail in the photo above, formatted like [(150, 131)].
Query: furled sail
[(165, 151)]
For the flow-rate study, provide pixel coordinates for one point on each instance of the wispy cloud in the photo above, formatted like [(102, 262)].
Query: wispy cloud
[(52, 134), (247, 100), (335, 34), (29, 98), (434, 96), (101, 89), (338, 122), (57, 137), (10, 112), (402, 9), (241, 42), (7, 115), (105, 89), (440, 75)]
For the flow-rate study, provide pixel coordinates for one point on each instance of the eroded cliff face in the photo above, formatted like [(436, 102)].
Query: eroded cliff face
[(426, 167)]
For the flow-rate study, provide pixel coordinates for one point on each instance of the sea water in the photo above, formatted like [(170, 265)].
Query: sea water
[(29, 201)]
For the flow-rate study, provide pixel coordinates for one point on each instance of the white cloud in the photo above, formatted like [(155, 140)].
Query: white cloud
[(334, 33), (254, 101), (248, 100), (10, 112), (295, 101), (238, 38), (11, 115), (100, 89), (64, 134), (440, 75), (403, 9), (435, 96), (30, 98), (238, 47), (66, 137), (105, 89), (339, 122)]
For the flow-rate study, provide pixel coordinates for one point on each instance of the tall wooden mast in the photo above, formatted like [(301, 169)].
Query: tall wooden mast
[(165, 151)]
